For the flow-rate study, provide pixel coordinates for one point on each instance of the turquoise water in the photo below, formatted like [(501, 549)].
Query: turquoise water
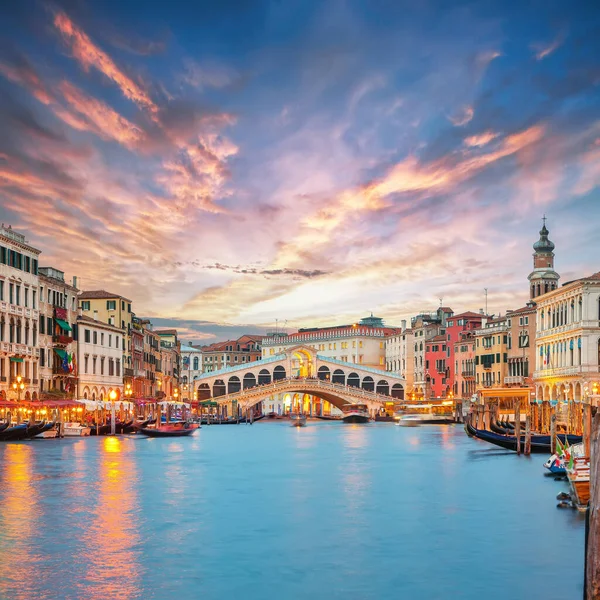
[(271, 511)]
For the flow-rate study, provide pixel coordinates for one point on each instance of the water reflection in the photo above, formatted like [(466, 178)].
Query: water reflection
[(18, 519), (112, 535)]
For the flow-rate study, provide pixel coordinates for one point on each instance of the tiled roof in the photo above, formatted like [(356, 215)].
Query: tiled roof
[(525, 309), (437, 338), (100, 295), (468, 314), (166, 331)]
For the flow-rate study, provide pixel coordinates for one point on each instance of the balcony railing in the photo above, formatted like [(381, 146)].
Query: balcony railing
[(468, 374), (62, 340), (514, 380)]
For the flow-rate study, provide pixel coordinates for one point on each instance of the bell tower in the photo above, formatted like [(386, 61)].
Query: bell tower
[(543, 278)]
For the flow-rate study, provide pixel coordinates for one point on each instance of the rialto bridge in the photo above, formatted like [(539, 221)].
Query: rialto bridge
[(300, 370)]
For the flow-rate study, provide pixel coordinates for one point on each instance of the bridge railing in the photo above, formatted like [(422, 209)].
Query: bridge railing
[(306, 382)]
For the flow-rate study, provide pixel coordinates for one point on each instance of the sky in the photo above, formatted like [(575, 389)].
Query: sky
[(236, 164)]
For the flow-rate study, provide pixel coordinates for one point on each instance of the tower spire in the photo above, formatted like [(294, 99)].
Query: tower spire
[(543, 278)]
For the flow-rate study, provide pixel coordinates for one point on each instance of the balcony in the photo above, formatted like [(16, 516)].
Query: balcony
[(62, 340), (514, 380), (468, 374)]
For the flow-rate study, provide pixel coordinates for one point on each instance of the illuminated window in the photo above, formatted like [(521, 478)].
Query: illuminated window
[(354, 344), (360, 344)]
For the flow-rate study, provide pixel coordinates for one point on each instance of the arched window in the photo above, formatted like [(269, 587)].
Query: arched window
[(195, 363)]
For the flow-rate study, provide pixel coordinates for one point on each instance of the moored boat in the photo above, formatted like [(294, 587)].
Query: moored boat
[(75, 430), (540, 444), (17, 432), (578, 473), (298, 420), (177, 429), (355, 413)]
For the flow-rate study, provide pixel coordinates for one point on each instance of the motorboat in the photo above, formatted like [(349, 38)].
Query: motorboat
[(578, 473), (298, 420), (409, 420), (355, 413), (426, 414), (557, 463), (75, 430), (175, 429)]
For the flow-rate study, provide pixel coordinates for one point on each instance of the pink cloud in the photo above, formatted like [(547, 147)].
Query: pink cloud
[(464, 115), (89, 55), (481, 139)]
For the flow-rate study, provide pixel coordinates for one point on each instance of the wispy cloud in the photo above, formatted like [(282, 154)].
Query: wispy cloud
[(481, 139), (462, 117), (542, 50), (90, 55)]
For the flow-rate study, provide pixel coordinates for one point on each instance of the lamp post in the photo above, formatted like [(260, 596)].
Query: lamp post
[(176, 395), (113, 426), (128, 392), (18, 386)]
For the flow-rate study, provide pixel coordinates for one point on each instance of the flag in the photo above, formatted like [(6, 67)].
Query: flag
[(70, 364), (559, 447), (65, 364)]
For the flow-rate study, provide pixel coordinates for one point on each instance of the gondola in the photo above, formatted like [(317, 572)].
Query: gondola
[(499, 428), (33, 430), (540, 444), (4, 426), (167, 432), (100, 430), (124, 427), (18, 432)]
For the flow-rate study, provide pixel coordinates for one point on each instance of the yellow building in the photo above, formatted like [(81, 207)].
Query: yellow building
[(491, 353), (116, 311)]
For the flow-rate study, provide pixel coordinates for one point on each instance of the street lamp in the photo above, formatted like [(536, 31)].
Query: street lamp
[(18, 386), (113, 426)]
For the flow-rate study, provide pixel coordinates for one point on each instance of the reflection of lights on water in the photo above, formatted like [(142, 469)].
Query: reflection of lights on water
[(112, 564), (112, 444), (18, 499), (414, 441), (355, 436)]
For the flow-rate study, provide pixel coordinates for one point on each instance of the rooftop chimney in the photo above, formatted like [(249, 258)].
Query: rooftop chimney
[(95, 315), (403, 323), (74, 281)]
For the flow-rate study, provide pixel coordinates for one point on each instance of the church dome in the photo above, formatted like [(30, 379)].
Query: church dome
[(543, 245)]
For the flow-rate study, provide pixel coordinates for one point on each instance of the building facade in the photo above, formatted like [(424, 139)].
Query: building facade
[(362, 343), (567, 340), (521, 346), (19, 315), (116, 311), (191, 368), (465, 385), (399, 354), (57, 343), (491, 353), (137, 358), (246, 348), (99, 356)]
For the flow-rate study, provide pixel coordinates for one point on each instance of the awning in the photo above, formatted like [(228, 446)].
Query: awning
[(61, 353), (208, 403), (63, 325), (16, 359)]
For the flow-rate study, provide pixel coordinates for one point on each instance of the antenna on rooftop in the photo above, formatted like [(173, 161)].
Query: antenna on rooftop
[(486, 302), (441, 302)]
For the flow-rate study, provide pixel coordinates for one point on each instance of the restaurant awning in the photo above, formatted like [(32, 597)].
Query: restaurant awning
[(63, 325), (208, 403), (60, 353), (16, 359)]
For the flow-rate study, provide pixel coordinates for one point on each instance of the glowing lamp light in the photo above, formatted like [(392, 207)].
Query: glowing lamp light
[(112, 395)]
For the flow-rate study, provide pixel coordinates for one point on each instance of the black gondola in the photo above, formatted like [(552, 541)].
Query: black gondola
[(33, 430), (100, 430), (151, 432), (18, 432), (4, 426), (540, 444), (499, 428)]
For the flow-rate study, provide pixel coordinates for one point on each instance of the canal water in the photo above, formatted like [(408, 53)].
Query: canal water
[(270, 511)]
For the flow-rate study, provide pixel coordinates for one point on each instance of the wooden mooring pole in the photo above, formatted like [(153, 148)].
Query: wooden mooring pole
[(592, 559), (518, 425), (587, 428), (553, 433), (527, 450)]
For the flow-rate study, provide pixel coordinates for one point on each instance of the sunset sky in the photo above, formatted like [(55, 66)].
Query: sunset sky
[(226, 164)]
